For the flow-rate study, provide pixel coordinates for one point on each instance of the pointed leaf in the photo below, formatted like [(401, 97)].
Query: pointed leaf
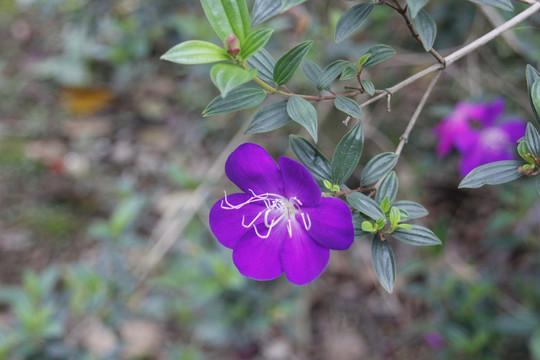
[(312, 71), (264, 10), (348, 73), (269, 118), (492, 174), (426, 27), (255, 42), (227, 76), (388, 187), (532, 137), (228, 17), (330, 73), (351, 20), (196, 52), (287, 4), (535, 97), (532, 75), (264, 63), (301, 111), (347, 154), (358, 231), (417, 236), (413, 209), (368, 86), (378, 53), (415, 6), (378, 167), (241, 98), (309, 156), (365, 205), (348, 106), (501, 4), (384, 262), (289, 62)]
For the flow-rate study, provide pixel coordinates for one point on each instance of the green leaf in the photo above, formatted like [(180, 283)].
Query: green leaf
[(538, 186), (365, 205), (301, 111), (395, 216), (348, 106), (378, 167), (287, 4), (413, 209), (417, 236), (492, 174), (348, 73), (264, 10), (238, 99), (426, 27), (196, 52), (347, 154), (367, 226), (388, 187), (368, 86), (363, 59), (532, 75), (534, 344), (309, 156), (415, 6), (264, 63), (255, 42), (532, 137), (227, 76), (501, 4), (535, 97), (228, 17), (351, 20), (385, 204), (269, 118), (312, 71), (378, 53), (289, 62), (330, 73), (384, 262)]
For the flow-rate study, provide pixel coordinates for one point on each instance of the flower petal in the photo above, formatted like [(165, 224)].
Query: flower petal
[(259, 258), (251, 168), (299, 182), (303, 259), (226, 224), (515, 128), (331, 224)]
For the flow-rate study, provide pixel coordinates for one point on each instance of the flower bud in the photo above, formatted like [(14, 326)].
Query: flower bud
[(233, 45)]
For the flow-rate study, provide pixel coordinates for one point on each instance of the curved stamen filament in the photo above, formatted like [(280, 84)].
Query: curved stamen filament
[(271, 203)]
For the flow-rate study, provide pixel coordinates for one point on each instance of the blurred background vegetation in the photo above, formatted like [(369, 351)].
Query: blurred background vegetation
[(104, 154)]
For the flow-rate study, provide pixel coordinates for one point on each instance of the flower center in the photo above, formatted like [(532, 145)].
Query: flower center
[(277, 210)]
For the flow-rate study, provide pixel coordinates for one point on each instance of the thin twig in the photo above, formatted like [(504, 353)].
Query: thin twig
[(450, 59), (405, 137)]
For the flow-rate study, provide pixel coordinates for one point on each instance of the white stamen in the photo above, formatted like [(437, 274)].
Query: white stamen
[(286, 208)]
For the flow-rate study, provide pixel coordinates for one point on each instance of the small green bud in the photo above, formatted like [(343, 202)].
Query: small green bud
[(327, 184), (404, 226), (367, 227)]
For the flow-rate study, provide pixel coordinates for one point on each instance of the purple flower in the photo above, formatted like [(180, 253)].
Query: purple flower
[(280, 223), (473, 131)]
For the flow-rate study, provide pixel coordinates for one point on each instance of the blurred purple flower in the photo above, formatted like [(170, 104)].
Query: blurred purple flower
[(473, 131), (280, 223), (434, 339)]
